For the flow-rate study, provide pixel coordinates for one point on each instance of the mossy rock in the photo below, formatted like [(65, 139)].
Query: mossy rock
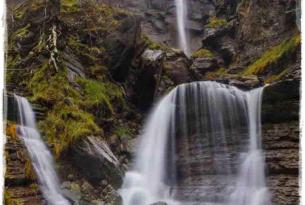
[(201, 53), (273, 56), (215, 22)]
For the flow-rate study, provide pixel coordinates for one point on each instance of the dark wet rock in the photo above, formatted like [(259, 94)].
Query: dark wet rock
[(203, 65), (121, 47), (227, 50), (281, 102), (96, 161), (176, 67)]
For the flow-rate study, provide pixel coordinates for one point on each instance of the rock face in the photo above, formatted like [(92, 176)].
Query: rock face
[(20, 180), (97, 162), (281, 141)]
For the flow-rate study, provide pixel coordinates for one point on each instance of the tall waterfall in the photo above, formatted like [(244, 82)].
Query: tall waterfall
[(181, 12), (200, 145), (40, 155)]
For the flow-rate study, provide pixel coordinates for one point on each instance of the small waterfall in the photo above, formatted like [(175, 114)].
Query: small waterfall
[(251, 184), (198, 134), (181, 12), (41, 157), (146, 183)]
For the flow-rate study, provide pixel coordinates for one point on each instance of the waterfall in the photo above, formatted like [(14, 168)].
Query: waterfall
[(41, 157), (181, 12), (200, 145), (145, 184), (251, 184)]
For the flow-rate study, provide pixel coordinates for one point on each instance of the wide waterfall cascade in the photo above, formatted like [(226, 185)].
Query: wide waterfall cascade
[(41, 157), (181, 12), (193, 149)]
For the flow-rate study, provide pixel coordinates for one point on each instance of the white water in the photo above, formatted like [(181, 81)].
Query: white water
[(181, 12), (216, 112), (41, 157), (145, 184), (251, 186)]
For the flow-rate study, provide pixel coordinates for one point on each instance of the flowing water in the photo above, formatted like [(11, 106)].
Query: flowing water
[(200, 145), (41, 157), (181, 12)]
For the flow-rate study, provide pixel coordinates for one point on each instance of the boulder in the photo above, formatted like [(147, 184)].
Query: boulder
[(202, 65), (96, 161), (176, 67), (152, 55)]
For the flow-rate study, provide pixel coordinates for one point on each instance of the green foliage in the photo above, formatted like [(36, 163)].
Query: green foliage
[(215, 22), (273, 55), (201, 53)]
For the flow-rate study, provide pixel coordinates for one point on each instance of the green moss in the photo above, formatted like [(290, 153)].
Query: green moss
[(96, 93), (65, 124), (276, 77), (201, 53), (154, 45), (122, 131), (69, 6), (22, 32), (215, 22), (8, 199), (34, 187), (216, 74), (19, 14), (29, 172), (66, 121), (273, 55), (50, 87)]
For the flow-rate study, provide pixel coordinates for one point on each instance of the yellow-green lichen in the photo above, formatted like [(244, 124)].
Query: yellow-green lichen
[(201, 53), (273, 55), (215, 22), (221, 72), (154, 45), (276, 77)]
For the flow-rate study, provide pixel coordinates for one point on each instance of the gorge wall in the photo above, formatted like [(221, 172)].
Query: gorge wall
[(100, 65)]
